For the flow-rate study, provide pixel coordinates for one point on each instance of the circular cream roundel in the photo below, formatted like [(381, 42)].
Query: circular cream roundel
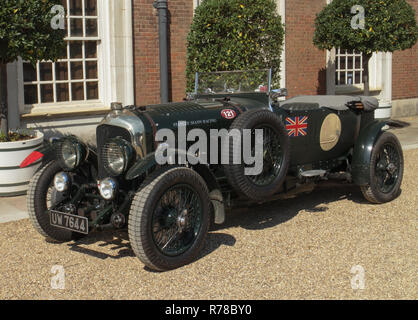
[(330, 132)]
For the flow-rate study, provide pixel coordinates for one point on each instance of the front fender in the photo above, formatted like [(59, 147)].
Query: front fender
[(148, 162), (141, 166), (363, 151)]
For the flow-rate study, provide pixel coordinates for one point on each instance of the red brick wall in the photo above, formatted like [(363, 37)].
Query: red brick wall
[(405, 70), (305, 64), (146, 53), (181, 12)]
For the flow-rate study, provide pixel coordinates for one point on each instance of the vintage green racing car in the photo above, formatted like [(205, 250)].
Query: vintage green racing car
[(149, 172)]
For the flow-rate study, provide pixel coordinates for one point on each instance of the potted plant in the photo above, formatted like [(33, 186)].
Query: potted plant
[(236, 35), (29, 30), (13, 179)]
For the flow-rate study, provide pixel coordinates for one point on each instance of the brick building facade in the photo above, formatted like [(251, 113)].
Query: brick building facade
[(146, 58), (113, 55), (306, 69)]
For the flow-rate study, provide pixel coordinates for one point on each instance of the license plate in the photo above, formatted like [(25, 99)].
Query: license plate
[(69, 221)]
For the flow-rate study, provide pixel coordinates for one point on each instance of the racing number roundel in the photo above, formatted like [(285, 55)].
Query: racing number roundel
[(228, 114)]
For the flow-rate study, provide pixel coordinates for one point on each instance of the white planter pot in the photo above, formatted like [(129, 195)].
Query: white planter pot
[(14, 180), (384, 111)]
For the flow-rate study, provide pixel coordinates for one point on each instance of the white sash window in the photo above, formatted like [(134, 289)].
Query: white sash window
[(75, 76)]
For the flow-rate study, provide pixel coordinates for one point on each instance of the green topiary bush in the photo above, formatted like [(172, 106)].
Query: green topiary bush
[(389, 25), (26, 32), (229, 35)]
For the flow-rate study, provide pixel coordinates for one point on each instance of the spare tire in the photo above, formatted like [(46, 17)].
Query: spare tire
[(276, 155)]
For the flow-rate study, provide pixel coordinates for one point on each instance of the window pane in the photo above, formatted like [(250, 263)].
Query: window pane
[(64, 53), (76, 27), (358, 62), (77, 90), (76, 50), (91, 70), (342, 78), (358, 80), (91, 49), (91, 28), (61, 71), (62, 92), (47, 94), (91, 7), (350, 62), (76, 70), (29, 72), (350, 79), (92, 90), (342, 63), (31, 94), (45, 71), (75, 7), (62, 76)]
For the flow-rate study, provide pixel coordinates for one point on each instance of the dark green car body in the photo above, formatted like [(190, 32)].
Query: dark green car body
[(120, 182), (359, 132)]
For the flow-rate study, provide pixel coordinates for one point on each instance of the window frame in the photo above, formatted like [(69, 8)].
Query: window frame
[(85, 103), (376, 81), (115, 70)]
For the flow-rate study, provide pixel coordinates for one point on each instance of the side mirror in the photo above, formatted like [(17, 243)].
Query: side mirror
[(278, 93)]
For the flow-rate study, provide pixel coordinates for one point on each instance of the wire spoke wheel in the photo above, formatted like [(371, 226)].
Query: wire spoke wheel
[(386, 170), (169, 218), (176, 220), (42, 196), (272, 157)]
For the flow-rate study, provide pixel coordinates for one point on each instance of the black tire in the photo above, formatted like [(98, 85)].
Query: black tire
[(39, 185), (245, 185), (386, 170), (143, 211)]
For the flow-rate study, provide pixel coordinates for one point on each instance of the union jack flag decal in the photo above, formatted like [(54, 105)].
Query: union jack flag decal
[(297, 126)]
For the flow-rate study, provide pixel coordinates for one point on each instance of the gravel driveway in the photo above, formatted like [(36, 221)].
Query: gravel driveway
[(301, 248)]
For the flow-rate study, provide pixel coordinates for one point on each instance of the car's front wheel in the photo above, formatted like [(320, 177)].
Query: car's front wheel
[(42, 195), (386, 170), (169, 218)]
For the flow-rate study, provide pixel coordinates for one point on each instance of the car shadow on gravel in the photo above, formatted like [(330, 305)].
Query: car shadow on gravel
[(214, 241), (116, 245), (268, 215)]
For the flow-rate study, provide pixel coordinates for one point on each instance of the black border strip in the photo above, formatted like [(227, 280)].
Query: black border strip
[(14, 184), (21, 149), (18, 167)]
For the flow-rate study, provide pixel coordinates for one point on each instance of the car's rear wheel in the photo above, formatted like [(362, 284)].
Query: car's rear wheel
[(169, 218), (276, 155), (41, 196), (386, 170)]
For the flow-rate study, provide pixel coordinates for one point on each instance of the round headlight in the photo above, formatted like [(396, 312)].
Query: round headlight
[(107, 188), (61, 181), (72, 152), (116, 156)]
